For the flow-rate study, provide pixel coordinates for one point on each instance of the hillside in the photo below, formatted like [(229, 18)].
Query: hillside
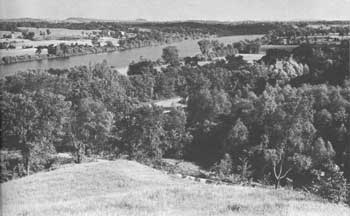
[(129, 188)]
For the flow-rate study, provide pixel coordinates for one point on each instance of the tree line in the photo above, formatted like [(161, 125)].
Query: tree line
[(187, 27)]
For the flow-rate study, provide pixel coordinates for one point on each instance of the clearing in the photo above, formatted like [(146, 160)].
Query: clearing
[(128, 188)]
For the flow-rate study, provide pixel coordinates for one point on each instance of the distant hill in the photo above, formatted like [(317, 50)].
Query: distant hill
[(84, 20), (23, 20), (69, 20), (140, 20), (128, 188)]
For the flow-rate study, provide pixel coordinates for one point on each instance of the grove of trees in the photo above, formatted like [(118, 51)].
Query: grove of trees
[(278, 121)]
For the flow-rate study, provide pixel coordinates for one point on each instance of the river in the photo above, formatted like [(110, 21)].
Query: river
[(120, 59)]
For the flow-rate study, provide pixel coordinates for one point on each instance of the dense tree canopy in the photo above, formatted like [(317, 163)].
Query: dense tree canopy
[(171, 55), (284, 119)]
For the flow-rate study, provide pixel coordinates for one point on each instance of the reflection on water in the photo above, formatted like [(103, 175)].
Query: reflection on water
[(117, 59)]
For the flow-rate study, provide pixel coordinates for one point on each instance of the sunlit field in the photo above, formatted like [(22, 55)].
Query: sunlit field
[(61, 32), (129, 188)]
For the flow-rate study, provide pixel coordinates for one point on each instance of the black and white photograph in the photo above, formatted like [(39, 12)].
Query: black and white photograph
[(175, 107)]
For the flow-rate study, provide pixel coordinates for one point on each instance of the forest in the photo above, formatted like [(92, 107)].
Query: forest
[(282, 120)]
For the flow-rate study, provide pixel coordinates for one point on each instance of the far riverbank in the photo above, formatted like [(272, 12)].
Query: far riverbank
[(118, 59)]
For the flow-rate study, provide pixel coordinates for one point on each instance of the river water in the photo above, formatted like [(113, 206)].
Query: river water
[(117, 59)]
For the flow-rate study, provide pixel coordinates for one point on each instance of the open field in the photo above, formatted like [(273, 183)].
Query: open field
[(57, 35), (128, 188), (31, 51), (60, 32), (250, 58), (288, 48), (168, 103)]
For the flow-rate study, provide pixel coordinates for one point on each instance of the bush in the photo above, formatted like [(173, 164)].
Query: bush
[(330, 183), (61, 158), (223, 167), (11, 165)]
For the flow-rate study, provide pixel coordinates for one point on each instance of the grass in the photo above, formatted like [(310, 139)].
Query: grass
[(129, 188), (288, 48)]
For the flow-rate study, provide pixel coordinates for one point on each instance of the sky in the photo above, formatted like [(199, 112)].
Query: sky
[(167, 10)]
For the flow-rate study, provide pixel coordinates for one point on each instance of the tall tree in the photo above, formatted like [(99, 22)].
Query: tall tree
[(32, 121), (204, 46), (90, 127), (143, 134), (171, 55)]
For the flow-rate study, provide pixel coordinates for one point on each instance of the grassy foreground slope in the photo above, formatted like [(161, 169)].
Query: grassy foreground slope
[(128, 188)]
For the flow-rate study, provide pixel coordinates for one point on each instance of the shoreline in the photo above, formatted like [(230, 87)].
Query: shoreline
[(41, 57), (186, 47), (96, 50)]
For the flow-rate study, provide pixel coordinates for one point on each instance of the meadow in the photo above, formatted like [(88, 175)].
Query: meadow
[(124, 187)]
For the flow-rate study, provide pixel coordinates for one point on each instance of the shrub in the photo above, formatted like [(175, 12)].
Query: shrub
[(330, 183), (11, 165), (223, 167)]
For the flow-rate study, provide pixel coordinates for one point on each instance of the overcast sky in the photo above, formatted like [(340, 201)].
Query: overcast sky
[(159, 10)]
